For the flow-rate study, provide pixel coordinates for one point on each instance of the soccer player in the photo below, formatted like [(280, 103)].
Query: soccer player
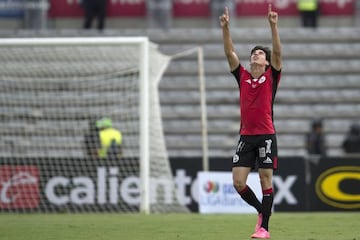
[(257, 147)]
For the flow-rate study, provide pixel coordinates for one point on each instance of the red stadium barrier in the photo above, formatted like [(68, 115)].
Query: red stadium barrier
[(288, 8), (72, 8), (192, 8), (200, 8)]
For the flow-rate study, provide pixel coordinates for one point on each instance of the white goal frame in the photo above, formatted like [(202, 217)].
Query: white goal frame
[(199, 51), (144, 56)]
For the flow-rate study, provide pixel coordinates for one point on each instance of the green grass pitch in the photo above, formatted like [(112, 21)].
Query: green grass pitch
[(283, 226)]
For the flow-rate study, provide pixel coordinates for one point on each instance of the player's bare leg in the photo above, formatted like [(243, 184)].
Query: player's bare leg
[(240, 175)]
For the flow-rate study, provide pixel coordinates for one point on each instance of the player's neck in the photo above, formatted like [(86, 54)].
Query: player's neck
[(257, 70)]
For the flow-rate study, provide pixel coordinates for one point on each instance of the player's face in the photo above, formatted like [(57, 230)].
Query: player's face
[(259, 57)]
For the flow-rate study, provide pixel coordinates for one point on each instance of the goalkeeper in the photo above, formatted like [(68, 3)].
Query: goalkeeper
[(257, 146), (110, 140)]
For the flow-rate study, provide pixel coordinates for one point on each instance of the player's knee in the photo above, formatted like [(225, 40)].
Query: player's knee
[(239, 185)]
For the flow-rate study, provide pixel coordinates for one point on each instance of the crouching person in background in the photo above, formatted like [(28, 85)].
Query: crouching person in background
[(110, 140)]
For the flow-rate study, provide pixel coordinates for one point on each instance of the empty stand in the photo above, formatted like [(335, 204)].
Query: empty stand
[(321, 70)]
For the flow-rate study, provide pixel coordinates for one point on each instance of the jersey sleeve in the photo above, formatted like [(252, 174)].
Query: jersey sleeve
[(276, 75), (236, 73)]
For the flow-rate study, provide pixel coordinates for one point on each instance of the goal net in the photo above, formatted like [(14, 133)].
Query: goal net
[(57, 94)]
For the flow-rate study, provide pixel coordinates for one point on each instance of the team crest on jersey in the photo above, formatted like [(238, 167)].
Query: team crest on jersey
[(262, 79)]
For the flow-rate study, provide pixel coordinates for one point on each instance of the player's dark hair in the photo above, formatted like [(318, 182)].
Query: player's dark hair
[(265, 49)]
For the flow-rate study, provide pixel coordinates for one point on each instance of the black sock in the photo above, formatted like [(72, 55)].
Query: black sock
[(249, 196), (267, 202)]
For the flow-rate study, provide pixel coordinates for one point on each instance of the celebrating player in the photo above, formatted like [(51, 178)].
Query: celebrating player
[(257, 147)]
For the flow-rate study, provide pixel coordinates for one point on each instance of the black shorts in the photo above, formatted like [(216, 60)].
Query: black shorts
[(256, 151)]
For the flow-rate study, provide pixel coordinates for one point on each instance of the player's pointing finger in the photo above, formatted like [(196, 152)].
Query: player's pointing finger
[(226, 11), (269, 7)]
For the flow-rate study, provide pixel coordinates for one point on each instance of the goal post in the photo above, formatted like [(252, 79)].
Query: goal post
[(199, 52), (52, 89), (144, 129)]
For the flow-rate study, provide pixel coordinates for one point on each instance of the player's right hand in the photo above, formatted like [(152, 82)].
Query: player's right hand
[(224, 18), (272, 16)]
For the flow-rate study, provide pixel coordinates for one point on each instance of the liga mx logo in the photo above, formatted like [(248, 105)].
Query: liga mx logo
[(19, 187), (211, 187)]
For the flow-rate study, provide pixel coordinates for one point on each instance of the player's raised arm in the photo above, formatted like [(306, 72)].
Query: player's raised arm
[(231, 56), (276, 44)]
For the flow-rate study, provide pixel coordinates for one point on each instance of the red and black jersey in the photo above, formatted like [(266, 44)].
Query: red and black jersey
[(256, 100)]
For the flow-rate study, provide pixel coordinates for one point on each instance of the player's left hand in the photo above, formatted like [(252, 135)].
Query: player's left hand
[(272, 16)]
